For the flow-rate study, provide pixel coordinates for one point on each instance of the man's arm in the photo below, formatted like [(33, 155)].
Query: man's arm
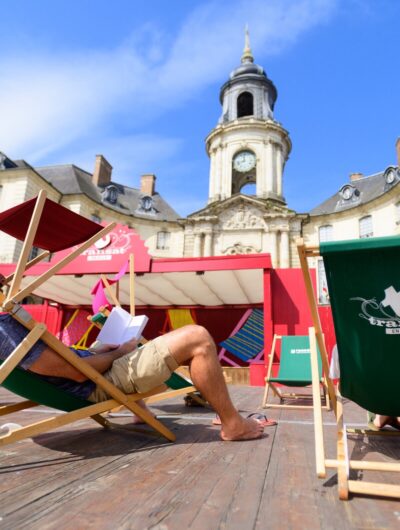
[(51, 363)]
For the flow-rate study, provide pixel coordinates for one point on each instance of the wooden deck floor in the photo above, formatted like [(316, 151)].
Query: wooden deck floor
[(83, 477)]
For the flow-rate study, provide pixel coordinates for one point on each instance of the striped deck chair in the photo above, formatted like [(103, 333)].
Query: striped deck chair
[(177, 318), (246, 341)]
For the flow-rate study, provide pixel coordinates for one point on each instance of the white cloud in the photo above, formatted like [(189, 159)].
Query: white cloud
[(52, 102), (132, 154)]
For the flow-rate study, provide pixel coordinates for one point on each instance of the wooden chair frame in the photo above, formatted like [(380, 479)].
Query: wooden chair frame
[(342, 463), (11, 304), (324, 396)]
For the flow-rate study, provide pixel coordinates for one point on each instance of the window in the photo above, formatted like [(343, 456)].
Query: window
[(397, 214), (365, 226), (96, 218), (323, 295), (325, 233), (110, 194), (245, 105), (33, 253), (163, 240)]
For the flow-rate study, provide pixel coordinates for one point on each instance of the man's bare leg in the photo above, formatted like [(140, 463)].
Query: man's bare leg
[(193, 345)]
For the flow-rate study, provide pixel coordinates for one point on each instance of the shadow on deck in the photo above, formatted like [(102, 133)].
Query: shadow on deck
[(86, 477)]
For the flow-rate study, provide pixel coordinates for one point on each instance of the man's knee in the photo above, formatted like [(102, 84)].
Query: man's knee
[(202, 340)]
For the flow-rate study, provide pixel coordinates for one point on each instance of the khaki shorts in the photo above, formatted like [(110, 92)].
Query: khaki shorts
[(139, 371)]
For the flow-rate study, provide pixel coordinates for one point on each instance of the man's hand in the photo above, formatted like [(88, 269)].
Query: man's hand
[(116, 350), (127, 347), (104, 348)]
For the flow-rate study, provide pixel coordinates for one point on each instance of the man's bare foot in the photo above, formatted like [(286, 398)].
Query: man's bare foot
[(243, 429)]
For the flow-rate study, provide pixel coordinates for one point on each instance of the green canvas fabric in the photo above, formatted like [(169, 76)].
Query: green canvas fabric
[(363, 279), (32, 387), (177, 382), (295, 363)]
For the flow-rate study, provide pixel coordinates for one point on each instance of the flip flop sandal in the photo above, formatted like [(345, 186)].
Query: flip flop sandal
[(262, 419)]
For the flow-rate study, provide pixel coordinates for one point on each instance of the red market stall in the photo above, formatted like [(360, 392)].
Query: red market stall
[(219, 289)]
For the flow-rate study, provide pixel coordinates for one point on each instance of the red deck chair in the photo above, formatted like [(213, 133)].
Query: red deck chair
[(45, 224)]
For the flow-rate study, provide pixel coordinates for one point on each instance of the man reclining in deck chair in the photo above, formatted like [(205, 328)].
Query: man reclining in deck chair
[(140, 369)]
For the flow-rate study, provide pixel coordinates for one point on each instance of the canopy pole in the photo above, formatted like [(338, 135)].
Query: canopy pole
[(110, 292), (28, 243)]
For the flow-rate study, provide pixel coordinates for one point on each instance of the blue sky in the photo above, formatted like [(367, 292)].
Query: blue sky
[(139, 82)]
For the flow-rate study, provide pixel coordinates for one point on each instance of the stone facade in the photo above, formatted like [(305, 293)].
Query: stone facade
[(247, 147)]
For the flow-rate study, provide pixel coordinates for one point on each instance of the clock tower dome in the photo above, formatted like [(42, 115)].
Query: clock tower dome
[(247, 146)]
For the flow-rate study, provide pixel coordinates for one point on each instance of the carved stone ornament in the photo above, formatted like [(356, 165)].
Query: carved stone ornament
[(238, 248), (242, 218)]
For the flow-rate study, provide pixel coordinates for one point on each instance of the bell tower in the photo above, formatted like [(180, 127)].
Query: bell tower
[(247, 146)]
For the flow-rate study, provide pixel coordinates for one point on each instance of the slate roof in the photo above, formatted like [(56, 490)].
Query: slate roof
[(366, 190), (71, 180)]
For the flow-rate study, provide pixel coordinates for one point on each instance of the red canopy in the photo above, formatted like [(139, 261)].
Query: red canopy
[(59, 228)]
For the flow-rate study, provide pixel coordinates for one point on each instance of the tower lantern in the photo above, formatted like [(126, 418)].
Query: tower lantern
[(247, 146)]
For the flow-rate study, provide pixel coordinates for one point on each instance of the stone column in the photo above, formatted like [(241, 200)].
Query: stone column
[(197, 245), (208, 244), (270, 177), (212, 184), (273, 248), (284, 250), (261, 170), (279, 169)]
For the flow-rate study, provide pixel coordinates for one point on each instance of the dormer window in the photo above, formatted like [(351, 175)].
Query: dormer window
[(391, 175), (110, 194), (245, 105), (146, 205), (347, 192)]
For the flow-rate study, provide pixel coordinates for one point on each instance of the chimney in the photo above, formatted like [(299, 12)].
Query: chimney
[(398, 150), (148, 184), (102, 171), (356, 176)]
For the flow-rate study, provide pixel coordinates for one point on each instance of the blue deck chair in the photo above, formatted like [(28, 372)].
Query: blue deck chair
[(247, 339)]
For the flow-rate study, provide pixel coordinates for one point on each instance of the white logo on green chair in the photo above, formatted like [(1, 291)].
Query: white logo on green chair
[(384, 314)]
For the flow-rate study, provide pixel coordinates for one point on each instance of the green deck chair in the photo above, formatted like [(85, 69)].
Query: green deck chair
[(364, 287), (294, 371), (37, 391)]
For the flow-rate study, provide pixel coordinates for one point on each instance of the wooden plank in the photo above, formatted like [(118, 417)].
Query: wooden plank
[(86, 477)]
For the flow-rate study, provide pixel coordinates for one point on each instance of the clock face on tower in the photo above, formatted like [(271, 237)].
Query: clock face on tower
[(244, 161)]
